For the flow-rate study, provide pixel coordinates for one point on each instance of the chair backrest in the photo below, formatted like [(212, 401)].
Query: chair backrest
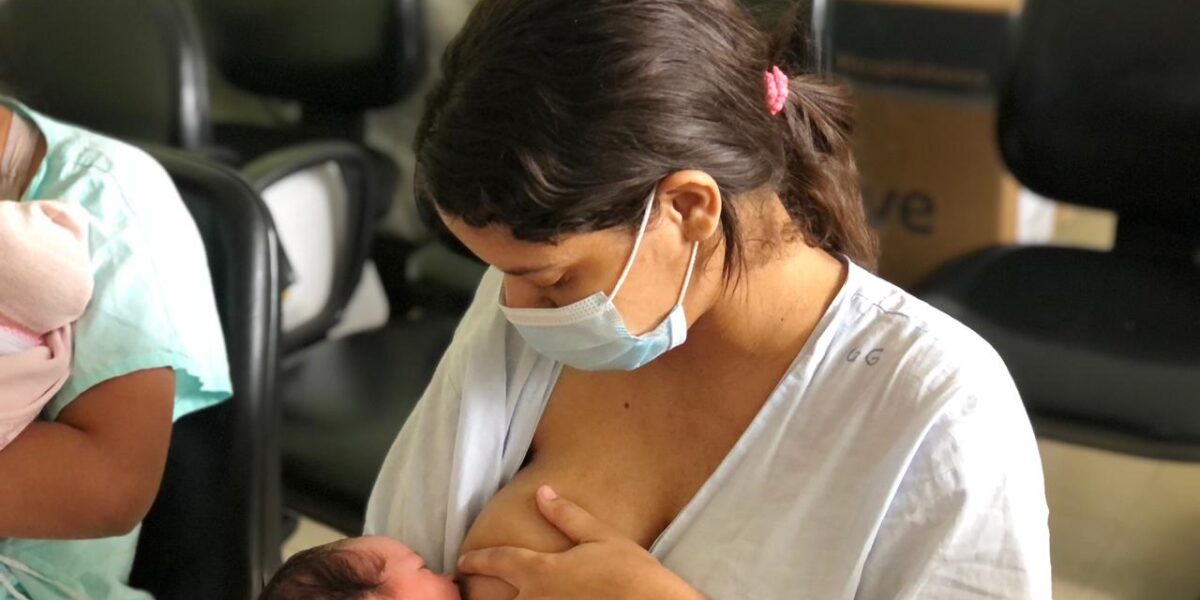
[(331, 56), (213, 532), (326, 223), (1103, 109), (130, 68)]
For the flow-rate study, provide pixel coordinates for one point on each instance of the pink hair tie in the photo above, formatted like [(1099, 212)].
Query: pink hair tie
[(776, 84)]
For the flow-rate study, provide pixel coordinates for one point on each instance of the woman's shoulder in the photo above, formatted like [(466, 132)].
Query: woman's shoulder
[(900, 374), (129, 196), (915, 346), (88, 167), (81, 153)]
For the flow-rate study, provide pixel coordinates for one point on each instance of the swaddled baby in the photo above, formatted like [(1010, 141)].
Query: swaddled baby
[(45, 285)]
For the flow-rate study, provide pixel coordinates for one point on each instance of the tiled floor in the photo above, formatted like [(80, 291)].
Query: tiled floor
[(1121, 528), (309, 534)]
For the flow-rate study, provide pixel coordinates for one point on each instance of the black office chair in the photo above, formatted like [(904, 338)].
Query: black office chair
[(213, 532), (127, 67), (137, 69), (1102, 109), (343, 400), (336, 60)]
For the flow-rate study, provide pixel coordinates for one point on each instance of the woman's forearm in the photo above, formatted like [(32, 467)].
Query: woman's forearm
[(59, 484), (96, 470)]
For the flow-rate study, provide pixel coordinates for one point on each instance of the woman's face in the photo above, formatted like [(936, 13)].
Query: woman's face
[(550, 275)]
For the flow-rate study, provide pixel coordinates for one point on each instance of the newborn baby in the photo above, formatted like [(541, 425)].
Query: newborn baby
[(383, 568), (45, 285), (362, 567)]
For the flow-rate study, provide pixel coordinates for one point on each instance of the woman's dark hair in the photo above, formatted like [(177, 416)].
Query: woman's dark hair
[(330, 572), (559, 116)]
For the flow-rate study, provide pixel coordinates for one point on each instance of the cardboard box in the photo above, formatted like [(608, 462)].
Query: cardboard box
[(924, 75)]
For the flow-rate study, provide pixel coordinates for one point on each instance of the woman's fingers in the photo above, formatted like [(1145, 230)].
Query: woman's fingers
[(514, 565), (576, 523)]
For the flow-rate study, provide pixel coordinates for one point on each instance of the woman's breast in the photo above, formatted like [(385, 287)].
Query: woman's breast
[(511, 517)]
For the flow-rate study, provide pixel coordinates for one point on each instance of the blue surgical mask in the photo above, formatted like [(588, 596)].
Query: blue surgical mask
[(590, 335)]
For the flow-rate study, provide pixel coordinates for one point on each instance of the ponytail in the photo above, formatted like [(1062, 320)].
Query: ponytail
[(821, 190)]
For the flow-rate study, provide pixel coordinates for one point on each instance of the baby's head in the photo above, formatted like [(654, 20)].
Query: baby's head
[(362, 568)]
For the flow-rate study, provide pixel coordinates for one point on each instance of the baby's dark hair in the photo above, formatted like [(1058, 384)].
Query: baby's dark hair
[(329, 572), (556, 117)]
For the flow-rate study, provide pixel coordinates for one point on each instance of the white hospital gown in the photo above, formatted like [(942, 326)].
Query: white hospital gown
[(893, 461)]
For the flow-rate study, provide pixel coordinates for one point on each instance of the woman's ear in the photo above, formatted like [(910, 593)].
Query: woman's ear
[(693, 200)]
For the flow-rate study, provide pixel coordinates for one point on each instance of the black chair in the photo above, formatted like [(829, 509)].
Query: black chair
[(343, 400), (336, 60), (127, 67), (137, 69), (213, 531), (1102, 109)]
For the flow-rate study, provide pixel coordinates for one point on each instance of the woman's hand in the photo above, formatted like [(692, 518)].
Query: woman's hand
[(602, 564)]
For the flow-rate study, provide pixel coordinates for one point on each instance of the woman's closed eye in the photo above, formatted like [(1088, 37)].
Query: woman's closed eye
[(553, 281)]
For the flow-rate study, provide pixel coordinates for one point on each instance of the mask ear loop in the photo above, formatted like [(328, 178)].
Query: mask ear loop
[(637, 244), (687, 280)]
